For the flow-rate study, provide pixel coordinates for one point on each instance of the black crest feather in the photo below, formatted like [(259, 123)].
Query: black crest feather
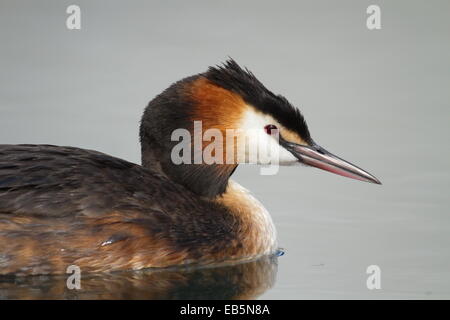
[(232, 77)]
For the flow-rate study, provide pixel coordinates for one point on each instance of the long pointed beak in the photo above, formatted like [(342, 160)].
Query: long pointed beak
[(318, 157)]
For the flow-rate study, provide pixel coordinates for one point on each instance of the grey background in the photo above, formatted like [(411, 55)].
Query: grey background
[(377, 98)]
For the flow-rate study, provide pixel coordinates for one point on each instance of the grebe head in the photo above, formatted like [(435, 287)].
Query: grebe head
[(228, 100)]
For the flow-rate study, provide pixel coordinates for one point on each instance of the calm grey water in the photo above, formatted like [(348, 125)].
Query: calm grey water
[(380, 99)]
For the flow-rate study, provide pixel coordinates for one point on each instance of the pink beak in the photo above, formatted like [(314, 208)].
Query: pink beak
[(318, 157)]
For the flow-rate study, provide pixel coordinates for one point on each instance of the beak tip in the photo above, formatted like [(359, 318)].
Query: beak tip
[(375, 181)]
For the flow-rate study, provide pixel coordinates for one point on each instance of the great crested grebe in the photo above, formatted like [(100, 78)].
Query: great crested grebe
[(62, 206)]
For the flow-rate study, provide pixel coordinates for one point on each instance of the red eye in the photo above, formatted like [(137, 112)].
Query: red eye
[(269, 128)]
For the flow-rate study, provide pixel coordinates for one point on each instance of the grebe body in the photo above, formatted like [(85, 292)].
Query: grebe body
[(55, 211)]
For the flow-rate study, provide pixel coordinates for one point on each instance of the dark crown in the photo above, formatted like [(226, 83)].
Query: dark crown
[(232, 77)]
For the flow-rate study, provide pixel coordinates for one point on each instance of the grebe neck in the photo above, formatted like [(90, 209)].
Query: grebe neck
[(205, 180)]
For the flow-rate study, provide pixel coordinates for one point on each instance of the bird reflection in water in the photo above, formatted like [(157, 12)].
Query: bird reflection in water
[(238, 281)]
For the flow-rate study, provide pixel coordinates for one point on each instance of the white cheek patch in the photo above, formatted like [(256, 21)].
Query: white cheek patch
[(260, 147)]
